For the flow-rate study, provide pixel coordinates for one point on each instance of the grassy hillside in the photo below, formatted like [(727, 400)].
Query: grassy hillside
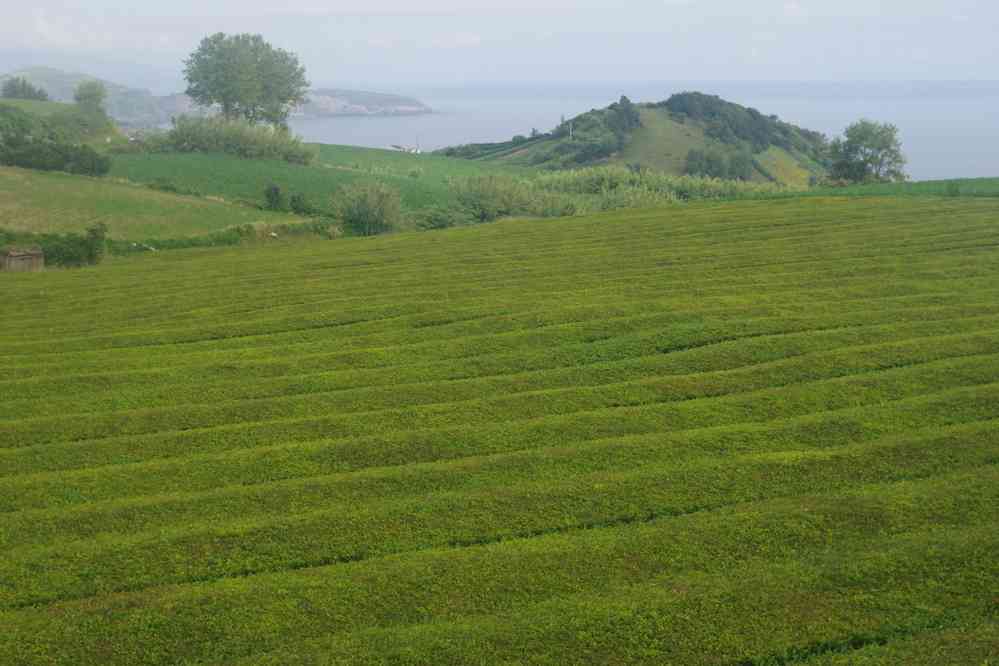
[(126, 105), (965, 187), (667, 132), (757, 433), (422, 179), (41, 202), (36, 108)]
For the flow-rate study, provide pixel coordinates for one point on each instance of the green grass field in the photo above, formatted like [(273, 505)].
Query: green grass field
[(966, 187), (35, 107), (421, 179), (40, 202), (727, 433)]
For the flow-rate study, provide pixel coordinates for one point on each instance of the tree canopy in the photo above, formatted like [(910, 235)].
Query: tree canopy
[(246, 78), (91, 95), (868, 152), (20, 88)]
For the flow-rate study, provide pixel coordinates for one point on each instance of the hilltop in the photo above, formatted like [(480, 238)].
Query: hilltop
[(727, 140), (138, 108), (753, 432)]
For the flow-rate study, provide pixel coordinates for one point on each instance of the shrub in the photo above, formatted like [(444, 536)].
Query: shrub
[(489, 198), (274, 197), (441, 217), (47, 156), (368, 209), (234, 137), (300, 204)]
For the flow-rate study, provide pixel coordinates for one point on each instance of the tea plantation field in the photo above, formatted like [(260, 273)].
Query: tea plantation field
[(725, 433)]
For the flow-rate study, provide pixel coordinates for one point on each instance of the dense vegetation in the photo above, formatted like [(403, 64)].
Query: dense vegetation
[(66, 250), (53, 142), (18, 87), (735, 124), (233, 137), (762, 432)]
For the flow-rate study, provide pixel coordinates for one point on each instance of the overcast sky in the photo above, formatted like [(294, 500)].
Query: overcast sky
[(380, 43)]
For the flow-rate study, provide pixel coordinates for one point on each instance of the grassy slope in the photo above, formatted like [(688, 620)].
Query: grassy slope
[(662, 143), (54, 202), (731, 433), (965, 187), (36, 108), (422, 179)]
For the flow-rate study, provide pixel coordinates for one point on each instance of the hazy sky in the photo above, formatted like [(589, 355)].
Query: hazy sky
[(378, 43)]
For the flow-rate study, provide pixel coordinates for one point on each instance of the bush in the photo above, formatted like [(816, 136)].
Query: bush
[(273, 197), (69, 250), (489, 198), (300, 205), (46, 156), (440, 217), (368, 209), (234, 137)]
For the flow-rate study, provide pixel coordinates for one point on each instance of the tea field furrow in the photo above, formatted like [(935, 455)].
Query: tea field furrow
[(440, 583), (721, 432), (406, 378), (776, 373), (307, 462), (824, 258), (532, 508)]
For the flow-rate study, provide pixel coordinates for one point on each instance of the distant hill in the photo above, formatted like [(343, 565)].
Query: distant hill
[(137, 108), (689, 132), (127, 106), (326, 102)]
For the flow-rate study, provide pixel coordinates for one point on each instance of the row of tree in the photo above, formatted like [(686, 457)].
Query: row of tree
[(20, 88)]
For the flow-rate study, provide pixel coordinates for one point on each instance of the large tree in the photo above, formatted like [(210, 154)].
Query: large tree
[(868, 152), (246, 78), (91, 95)]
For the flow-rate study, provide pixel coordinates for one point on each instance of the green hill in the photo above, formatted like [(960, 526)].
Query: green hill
[(743, 433), (64, 122), (733, 141), (128, 106), (39, 202)]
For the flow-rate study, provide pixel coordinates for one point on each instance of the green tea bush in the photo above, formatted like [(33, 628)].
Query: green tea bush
[(234, 137)]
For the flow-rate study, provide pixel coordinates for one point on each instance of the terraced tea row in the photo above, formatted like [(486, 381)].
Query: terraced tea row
[(754, 433)]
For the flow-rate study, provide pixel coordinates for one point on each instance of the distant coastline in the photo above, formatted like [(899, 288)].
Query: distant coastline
[(134, 108)]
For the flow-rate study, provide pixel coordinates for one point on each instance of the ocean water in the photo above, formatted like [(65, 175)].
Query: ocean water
[(950, 129)]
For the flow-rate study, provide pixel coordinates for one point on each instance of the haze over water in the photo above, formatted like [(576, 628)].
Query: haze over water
[(949, 129)]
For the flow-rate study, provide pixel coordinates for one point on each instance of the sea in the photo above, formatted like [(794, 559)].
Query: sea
[(949, 129)]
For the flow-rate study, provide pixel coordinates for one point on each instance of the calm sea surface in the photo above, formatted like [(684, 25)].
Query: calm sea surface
[(949, 129)]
